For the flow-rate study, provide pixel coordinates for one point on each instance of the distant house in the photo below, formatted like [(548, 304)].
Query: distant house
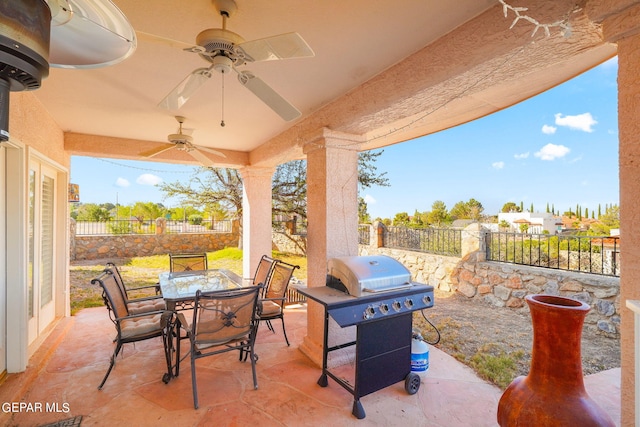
[(538, 222)]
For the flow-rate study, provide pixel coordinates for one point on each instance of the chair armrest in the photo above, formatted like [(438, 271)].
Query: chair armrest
[(272, 299), (136, 288), (147, 314)]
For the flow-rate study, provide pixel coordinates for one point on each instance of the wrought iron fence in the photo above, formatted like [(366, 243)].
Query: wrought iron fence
[(134, 226), (364, 235), (441, 241), (588, 254)]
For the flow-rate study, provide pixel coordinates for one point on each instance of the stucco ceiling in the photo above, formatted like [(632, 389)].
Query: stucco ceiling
[(385, 70)]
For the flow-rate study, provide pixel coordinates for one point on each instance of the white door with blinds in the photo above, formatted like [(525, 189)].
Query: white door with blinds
[(41, 254)]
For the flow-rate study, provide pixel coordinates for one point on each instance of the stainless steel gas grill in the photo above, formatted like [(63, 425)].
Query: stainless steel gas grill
[(375, 294)]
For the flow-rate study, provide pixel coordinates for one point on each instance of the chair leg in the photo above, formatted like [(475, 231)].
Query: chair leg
[(254, 357), (285, 332), (193, 379), (270, 326), (111, 364)]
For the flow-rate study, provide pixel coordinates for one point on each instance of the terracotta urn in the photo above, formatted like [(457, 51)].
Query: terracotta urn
[(553, 392)]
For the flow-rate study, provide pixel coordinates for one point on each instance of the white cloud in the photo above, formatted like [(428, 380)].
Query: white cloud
[(521, 156), (583, 122), (577, 159), (497, 165), (369, 199), (548, 129), (121, 182), (552, 152), (148, 179)]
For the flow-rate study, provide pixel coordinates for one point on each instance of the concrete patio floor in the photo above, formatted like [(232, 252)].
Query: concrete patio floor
[(64, 374)]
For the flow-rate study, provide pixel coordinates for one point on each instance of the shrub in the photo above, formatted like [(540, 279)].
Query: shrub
[(195, 219)]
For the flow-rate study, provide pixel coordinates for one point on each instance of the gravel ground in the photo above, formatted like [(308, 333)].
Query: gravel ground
[(469, 327)]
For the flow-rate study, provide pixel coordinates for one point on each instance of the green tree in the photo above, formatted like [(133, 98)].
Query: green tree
[(401, 219), (524, 228), (531, 208), (504, 225), (510, 207), (438, 214), (460, 211), (147, 211), (363, 215), (208, 186), (548, 211), (471, 209), (92, 212)]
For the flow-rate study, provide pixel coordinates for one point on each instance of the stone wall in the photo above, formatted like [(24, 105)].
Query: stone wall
[(133, 245), (289, 243), (506, 285)]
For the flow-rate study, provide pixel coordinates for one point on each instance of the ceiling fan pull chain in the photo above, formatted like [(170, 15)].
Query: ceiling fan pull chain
[(222, 101)]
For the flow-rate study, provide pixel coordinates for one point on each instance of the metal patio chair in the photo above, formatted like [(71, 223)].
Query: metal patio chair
[(265, 267), (223, 321), (136, 305), (275, 295), (131, 328), (187, 262)]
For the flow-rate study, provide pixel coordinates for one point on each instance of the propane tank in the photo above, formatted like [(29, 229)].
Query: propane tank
[(419, 354)]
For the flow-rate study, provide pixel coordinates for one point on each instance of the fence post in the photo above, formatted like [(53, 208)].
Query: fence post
[(73, 225), (161, 224), (473, 241), (378, 241)]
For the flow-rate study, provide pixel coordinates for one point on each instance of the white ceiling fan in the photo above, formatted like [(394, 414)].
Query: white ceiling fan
[(183, 142), (225, 51)]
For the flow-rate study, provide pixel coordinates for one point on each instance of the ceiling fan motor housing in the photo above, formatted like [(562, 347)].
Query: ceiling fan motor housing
[(218, 42), (180, 138)]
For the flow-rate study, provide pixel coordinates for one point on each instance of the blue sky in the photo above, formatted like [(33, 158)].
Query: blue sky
[(559, 147)]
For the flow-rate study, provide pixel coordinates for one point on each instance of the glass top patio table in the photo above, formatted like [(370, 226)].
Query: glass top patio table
[(179, 289)]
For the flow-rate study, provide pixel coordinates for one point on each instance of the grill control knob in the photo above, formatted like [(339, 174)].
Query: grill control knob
[(396, 306), (369, 312), (384, 308), (408, 303), (426, 299)]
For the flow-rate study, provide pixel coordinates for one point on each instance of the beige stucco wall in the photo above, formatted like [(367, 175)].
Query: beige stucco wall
[(32, 125)]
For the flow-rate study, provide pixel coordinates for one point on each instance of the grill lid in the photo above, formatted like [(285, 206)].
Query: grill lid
[(375, 273)]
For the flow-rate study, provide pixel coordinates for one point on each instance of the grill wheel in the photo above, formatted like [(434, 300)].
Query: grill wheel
[(412, 383)]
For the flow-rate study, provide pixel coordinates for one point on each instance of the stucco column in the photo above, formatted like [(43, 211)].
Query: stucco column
[(629, 134), (332, 214), (256, 216), (620, 21)]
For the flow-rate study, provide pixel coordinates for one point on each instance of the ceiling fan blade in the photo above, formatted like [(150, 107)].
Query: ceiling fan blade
[(181, 93), (201, 157), (269, 96), (152, 38), (156, 151), (210, 150), (284, 46)]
